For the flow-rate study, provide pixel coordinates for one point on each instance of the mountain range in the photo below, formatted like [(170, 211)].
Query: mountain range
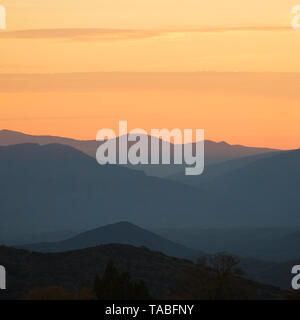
[(264, 187), (49, 188), (55, 187), (215, 152)]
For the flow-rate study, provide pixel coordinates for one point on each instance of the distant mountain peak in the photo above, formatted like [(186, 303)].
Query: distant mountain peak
[(10, 131), (223, 143), (123, 223), (122, 232)]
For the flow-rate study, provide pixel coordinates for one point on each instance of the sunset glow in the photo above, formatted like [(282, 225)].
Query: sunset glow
[(70, 68)]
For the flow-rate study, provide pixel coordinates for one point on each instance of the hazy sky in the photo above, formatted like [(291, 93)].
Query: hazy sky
[(144, 35), (64, 36)]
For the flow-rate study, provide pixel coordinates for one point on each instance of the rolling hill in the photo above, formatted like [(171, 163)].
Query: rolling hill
[(165, 276), (122, 233)]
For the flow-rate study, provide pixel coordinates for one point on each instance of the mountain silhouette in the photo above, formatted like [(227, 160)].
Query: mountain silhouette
[(55, 187), (212, 171), (267, 190), (215, 152), (122, 233)]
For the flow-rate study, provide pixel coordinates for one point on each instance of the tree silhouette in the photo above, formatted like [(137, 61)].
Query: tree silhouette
[(119, 286), (225, 265)]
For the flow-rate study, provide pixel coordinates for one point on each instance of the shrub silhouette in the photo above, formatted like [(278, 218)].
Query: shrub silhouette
[(214, 277)]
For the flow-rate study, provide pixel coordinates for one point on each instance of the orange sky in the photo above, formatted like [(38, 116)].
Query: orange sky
[(58, 39)]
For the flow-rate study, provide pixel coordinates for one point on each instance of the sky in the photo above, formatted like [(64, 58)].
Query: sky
[(230, 67)]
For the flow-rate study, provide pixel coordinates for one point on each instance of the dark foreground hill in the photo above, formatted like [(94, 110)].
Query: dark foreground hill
[(166, 277), (121, 233)]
